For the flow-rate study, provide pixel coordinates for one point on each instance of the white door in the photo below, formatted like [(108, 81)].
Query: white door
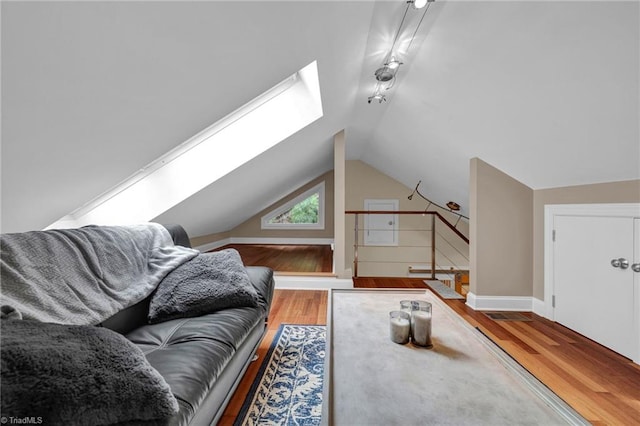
[(381, 229), (593, 296)]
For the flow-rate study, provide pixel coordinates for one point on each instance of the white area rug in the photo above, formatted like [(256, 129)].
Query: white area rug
[(464, 380)]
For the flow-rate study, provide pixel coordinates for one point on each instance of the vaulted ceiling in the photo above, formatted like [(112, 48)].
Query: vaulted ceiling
[(93, 91)]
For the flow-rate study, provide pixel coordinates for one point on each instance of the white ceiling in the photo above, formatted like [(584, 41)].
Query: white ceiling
[(91, 92)]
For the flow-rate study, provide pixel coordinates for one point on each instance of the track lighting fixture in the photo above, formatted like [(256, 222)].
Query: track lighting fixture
[(452, 206), (386, 74), (419, 4)]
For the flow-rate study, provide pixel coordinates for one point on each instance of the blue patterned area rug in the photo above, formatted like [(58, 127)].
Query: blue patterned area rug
[(288, 387)]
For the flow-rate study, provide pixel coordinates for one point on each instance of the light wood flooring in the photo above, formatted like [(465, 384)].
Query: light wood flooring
[(600, 384), (286, 258)]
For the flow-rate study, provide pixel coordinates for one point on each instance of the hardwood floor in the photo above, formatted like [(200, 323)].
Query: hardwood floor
[(286, 258)]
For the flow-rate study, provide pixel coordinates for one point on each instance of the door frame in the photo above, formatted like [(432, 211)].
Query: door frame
[(630, 210)]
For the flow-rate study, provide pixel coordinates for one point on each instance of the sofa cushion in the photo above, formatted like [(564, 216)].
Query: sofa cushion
[(207, 283), (190, 353), (76, 375)]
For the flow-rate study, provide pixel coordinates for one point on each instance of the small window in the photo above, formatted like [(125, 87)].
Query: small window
[(306, 211)]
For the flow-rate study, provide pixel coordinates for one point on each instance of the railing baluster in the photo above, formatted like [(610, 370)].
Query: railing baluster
[(355, 249), (433, 247)]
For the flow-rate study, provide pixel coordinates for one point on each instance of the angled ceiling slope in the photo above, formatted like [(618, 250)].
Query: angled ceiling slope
[(546, 91), (94, 91), (211, 154)]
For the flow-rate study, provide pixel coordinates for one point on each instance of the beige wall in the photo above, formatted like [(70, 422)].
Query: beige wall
[(365, 182), (613, 192), (501, 246), (252, 228), (507, 227), (210, 238)]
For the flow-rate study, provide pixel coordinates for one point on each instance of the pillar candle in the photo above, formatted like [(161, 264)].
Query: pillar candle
[(421, 328), (400, 326)]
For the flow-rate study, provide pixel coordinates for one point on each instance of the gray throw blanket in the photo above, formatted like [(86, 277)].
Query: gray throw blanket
[(83, 276)]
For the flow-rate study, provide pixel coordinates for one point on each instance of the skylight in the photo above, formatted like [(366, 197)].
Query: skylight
[(211, 154)]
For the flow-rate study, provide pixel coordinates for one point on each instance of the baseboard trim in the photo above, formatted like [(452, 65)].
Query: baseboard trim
[(505, 303), (256, 240), (301, 241), (539, 307), (213, 245), (289, 282)]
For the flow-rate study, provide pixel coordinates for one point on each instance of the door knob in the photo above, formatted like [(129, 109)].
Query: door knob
[(636, 267)]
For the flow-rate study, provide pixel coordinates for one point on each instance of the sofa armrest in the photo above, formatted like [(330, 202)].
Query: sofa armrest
[(262, 279), (178, 235)]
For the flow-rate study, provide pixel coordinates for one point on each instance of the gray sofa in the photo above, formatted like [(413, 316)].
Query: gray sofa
[(201, 358)]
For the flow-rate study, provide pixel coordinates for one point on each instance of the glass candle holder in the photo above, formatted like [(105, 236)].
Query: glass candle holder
[(405, 306), (421, 323), (399, 326)]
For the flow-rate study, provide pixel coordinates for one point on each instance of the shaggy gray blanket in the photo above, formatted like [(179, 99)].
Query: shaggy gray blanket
[(83, 276), (78, 375), (205, 284)]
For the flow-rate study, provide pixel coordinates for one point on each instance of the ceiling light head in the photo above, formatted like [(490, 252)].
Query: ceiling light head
[(393, 63), (384, 74), (419, 4), (453, 206), (377, 97)]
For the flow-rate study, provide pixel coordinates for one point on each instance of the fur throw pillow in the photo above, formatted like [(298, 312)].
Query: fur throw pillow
[(207, 283)]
